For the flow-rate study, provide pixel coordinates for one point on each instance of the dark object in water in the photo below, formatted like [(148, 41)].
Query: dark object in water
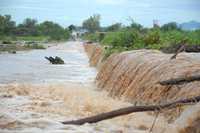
[(6, 42), (56, 60), (12, 52)]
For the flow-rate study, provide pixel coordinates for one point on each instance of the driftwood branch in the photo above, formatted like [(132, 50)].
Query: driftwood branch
[(128, 110), (181, 49), (178, 81)]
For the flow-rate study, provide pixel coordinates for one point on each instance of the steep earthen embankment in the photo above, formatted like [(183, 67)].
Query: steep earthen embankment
[(95, 54), (134, 76)]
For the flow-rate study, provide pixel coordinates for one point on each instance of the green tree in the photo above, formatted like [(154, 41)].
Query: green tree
[(92, 24), (71, 27), (134, 25), (7, 26), (53, 30), (114, 27), (27, 28), (30, 23), (170, 26)]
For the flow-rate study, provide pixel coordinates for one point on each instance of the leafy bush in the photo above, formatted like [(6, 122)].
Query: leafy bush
[(173, 37), (168, 41), (108, 51), (124, 38), (91, 37), (94, 37), (152, 37)]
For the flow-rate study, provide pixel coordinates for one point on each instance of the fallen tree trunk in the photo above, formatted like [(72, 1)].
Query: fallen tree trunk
[(178, 81), (128, 110)]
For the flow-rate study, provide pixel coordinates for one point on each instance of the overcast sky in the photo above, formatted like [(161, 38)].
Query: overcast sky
[(68, 12)]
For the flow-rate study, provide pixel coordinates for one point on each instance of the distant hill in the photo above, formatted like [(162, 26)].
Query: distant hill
[(191, 25)]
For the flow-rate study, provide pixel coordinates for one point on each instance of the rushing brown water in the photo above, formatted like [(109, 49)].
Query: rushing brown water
[(38, 104), (36, 96), (41, 108), (32, 67)]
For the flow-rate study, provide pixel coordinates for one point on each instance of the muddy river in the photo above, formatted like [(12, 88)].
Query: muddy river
[(35, 96), (32, 67)]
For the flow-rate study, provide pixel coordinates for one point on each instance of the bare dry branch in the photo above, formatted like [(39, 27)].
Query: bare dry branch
[(128, 110)]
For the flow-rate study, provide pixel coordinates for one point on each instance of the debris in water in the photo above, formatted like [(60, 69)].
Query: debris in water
[(56, 60)]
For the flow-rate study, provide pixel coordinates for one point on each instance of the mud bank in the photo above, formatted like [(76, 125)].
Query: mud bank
[(95, 54), (134, 76)]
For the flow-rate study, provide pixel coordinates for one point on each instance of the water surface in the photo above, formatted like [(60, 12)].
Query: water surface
[(32, 67)]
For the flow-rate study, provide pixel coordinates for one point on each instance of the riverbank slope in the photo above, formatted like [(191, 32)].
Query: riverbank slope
[(135, 75)]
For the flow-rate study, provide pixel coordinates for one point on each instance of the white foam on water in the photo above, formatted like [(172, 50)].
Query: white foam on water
[(42, 108)]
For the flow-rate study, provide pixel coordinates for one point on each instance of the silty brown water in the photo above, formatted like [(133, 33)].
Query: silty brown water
[(36, 96)]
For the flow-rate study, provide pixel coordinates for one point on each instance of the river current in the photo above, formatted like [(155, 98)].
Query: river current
[(36, 96), (32, 67)]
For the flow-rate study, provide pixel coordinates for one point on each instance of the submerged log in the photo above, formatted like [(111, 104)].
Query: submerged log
[(128, 110), (178, 81), (56, 60)]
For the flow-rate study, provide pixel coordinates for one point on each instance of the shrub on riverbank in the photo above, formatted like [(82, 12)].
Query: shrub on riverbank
[(153, 38)]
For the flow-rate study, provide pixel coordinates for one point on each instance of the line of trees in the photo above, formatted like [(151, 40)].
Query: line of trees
[(30, 27), (92, 25)]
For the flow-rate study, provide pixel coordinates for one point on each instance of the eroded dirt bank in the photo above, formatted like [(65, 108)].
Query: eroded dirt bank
[(134, 76), (95, 54)]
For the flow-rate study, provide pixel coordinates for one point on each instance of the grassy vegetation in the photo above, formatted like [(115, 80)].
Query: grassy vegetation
[(94, 37), (24, 38), (33, 38), (14, 47), (11, 48), (34, 46), (152, 38), (11, 43)]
